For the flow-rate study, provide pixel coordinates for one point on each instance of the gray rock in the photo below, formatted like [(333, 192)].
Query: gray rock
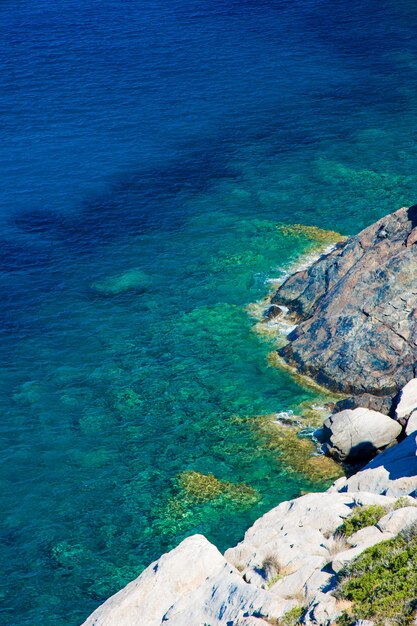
[(358, 433), (357, 308), (273, 311)]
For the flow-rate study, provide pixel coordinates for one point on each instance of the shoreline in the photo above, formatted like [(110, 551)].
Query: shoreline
[(289, 567)]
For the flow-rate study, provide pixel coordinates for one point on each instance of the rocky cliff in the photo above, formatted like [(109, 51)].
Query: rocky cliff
[(356, 309)]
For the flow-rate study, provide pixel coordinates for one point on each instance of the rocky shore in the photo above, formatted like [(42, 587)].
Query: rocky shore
[(344, 556)]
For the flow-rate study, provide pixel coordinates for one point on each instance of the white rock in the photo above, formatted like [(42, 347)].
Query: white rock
[(411, 424), (407, 400), (343, 558), (393, 472), (365, 537), (292, 532), (319, 581), (192, 584), (321, 611), (291, 585), (398, 520), (358, 433)]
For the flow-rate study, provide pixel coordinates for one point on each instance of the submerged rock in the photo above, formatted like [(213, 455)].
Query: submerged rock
[(357, 307), (358, 434), (132, 280)]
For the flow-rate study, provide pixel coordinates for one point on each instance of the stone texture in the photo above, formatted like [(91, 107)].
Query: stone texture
[(407, 399), (192, 584), (358, 433), (411, 424), (398, 520), (393, 472), (357, 308), (195, 585)]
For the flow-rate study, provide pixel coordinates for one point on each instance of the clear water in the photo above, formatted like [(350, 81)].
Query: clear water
[(168, 139)]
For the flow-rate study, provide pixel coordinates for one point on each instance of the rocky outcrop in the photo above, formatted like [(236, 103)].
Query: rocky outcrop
[(357, 310), (193, 584), (393, 472), (291, 557), (358, 434), (357, 333)]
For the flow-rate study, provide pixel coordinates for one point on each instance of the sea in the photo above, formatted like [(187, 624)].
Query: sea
[(154, 158)]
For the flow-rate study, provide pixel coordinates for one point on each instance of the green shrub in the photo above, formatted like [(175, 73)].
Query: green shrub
[(403, 502), (292, 617), (382, 582), (361, 518), (345, 619)]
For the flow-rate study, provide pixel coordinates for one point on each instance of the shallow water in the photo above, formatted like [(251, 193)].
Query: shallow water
[(148, 153)]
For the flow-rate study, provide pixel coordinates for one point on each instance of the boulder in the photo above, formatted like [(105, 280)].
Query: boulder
[(358, 434), (411, 426), (357, 310), (392, 473), (396, 521), (134, 280), (273, 311), (407, 400), (322, 610)]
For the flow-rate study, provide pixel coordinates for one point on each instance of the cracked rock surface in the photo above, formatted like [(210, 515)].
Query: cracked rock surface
[(357, 311)]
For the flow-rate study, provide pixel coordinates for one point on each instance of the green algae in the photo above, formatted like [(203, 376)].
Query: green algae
[(318, 235), (298, 453)]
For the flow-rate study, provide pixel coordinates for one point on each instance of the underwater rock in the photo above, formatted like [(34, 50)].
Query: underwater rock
[(358, 434), (133, 280), (357, 308)]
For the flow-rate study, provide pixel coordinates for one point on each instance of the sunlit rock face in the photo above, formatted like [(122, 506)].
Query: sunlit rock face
[(357, 307)]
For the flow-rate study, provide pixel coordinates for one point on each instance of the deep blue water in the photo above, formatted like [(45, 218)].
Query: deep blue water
[(163, 142)]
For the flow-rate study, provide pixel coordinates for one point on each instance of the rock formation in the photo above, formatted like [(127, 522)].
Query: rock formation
[(353, 435), (290, 558), (357, 311)]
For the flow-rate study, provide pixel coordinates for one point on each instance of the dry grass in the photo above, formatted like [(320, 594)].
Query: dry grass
[(337, 543)]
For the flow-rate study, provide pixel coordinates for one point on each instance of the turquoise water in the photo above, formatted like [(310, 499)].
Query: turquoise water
[(148, 155)]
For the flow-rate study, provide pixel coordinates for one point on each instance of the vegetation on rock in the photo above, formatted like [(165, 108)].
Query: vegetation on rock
[(382, 583), (361, 518)]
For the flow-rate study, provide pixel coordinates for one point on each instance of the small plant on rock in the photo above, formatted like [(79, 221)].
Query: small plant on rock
[(337, 543), (271, 568), (361, 518), (292, 617)]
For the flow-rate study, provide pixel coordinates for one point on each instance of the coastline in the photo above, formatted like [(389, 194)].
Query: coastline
[(292, 564)]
